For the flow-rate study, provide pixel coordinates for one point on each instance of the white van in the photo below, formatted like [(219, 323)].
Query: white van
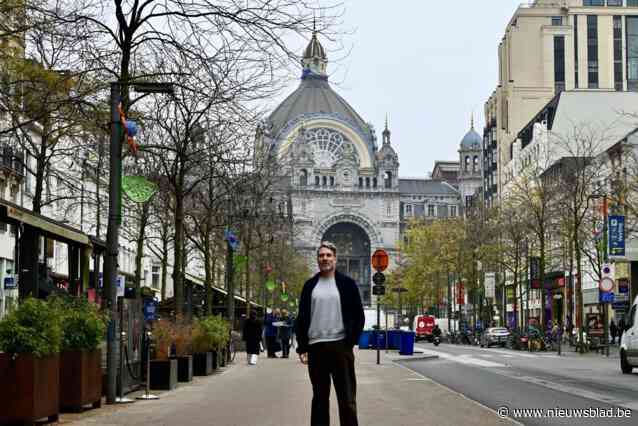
[(629, 342)]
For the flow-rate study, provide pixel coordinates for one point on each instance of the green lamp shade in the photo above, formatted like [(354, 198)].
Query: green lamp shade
[(270, 285), (138, 188), (284, 297), (291, 303)]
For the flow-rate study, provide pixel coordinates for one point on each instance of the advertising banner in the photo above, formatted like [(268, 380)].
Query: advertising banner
[(616, 235)]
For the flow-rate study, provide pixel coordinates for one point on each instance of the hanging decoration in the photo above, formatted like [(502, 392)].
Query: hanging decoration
[(130, 129), (138, 188), (270, 285), (291, 304), (232, 239), (284, 297), (240, 262)]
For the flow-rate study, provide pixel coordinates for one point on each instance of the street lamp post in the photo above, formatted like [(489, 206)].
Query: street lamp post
[(113, 230)]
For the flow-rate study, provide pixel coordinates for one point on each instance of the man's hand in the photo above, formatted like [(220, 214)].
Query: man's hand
[(303, 358)]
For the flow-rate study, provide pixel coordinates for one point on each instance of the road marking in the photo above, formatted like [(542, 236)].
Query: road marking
[(464, 359), (416, 373)]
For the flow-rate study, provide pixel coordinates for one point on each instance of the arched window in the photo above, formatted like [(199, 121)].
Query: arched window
[(332, 181), (303, 178), (388, 179), (476, 164), (317, 180), (467, 163), (367, 182), (324, 181), (374, 182)]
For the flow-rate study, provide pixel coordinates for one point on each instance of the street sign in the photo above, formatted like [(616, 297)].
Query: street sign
[(120, 284), (150, 310), (606, 285), (9, 283), (535, 272), (607, 297), (380, 260), (378, 290), (616, 235), (378, 278)]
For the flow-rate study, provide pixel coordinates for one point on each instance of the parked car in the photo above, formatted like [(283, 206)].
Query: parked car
[(629, 341), (495, 335)]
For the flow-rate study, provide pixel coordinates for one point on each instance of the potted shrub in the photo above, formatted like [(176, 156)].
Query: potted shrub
[(83, 330), (211, 334), (201, 344), (163, 370), (183, 340), (30, 339)]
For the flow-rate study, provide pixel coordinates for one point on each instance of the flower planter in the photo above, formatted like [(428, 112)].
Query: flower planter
[(184, 368), (203, 364), (80, 379), (164, 374), (30, 388)]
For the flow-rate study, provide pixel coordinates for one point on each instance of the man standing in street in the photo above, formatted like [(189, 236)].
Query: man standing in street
[(329, 324)]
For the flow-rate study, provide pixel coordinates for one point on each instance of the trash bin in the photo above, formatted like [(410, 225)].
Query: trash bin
[(394, 339), (364, 340), (407, 343), (377, 340)]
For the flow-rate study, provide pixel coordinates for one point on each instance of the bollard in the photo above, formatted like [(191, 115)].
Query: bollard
[(147, 394)]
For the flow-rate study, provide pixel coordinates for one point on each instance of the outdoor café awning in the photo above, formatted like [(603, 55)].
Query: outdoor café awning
[(12, 213)]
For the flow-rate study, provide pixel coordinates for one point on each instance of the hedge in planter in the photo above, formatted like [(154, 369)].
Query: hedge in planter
[(163, 370), (30, 338), (210, 334), (183, 341), (83, 329)]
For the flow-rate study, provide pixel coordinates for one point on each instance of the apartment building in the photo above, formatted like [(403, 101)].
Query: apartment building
[(550, 46)]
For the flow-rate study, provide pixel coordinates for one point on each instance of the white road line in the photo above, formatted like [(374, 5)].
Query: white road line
[(463, 359)]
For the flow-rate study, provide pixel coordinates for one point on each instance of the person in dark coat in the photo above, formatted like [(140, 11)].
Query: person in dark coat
[(271, 333), (252, 336), (613, 330), (329, 323), (285, 333)]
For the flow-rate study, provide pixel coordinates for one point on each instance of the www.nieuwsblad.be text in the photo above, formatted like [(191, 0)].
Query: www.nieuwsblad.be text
[(557, 412)]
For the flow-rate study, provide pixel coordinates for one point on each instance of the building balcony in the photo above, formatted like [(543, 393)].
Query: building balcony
[(11, 163)]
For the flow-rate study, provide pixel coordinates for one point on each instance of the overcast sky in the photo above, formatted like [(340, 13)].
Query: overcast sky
[(427, 64)]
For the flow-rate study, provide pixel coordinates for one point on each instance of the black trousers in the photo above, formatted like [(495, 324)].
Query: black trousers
[(271, 346), (334, 360), (285, 347)]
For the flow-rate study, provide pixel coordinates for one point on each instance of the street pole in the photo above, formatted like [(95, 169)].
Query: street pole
[(378, 330), (606, 257), (110, 261)]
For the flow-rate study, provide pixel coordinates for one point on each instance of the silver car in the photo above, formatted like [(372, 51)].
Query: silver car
[(495, 336)]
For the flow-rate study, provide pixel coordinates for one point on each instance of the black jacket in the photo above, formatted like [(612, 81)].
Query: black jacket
[(351, 310)]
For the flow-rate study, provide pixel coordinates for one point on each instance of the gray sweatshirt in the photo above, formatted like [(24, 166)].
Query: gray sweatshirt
[(326, 321)]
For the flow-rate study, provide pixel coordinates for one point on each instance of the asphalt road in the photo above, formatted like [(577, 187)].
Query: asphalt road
[(557, 387)]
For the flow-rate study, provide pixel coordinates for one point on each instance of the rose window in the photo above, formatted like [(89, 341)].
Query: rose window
[(327, 146)]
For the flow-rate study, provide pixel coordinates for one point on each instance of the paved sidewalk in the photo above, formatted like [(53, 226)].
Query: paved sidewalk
[(277, 392)]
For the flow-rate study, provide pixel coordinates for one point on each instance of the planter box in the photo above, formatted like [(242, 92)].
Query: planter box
[(80, 379), (164, 374), (184, 368), (203, 364), (30, 388)]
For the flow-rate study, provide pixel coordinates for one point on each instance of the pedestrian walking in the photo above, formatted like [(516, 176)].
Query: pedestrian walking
[(251, 334), (613, 330), (285, 331), (271, 333), (329, 324)]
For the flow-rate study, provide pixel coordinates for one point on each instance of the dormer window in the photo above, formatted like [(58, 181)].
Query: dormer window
[(303, 178), (388, 179)]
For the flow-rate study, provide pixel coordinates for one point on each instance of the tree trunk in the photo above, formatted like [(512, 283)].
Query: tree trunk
[(178, 258), (208, 291), (230, 286), (164, 259)]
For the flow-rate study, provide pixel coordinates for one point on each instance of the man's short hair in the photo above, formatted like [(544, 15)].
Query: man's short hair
[(328, 245)]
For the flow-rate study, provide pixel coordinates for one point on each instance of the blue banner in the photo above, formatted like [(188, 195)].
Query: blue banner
[(607, 297), (150, 310), (10, 283), (616, 235)]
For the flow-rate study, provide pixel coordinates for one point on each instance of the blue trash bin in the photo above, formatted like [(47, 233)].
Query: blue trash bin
[(377, 340), (407, 343), (394, 339), (364, 340)]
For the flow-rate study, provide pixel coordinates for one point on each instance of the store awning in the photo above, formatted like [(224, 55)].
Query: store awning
[(12, 213)]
